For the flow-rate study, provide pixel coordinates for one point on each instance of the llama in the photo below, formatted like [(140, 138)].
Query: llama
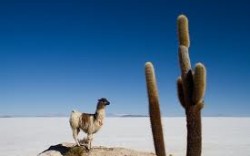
[(88, 123)]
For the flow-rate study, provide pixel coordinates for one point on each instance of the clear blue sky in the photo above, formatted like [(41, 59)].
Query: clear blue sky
[(58, 55)]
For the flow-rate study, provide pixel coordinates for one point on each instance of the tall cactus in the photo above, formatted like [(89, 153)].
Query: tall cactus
[(154, 110), (191, 86)]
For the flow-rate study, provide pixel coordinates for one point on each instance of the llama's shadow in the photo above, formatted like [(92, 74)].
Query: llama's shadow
[(65, 149), (58, 148)]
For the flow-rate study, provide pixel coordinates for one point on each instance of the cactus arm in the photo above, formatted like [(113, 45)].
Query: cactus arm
[(199, 83), (183, 33), (184, 60), (181, 92), (154, 110)]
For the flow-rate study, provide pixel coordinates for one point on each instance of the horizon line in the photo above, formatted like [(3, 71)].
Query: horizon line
[(112, 115)]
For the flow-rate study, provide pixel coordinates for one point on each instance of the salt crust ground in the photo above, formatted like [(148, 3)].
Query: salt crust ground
[(30, 136)]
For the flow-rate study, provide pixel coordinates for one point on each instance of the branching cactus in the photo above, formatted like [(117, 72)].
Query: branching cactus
[(154, 110), (191, 86)]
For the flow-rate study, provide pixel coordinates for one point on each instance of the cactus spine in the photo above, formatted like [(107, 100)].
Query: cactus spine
[(191, 90), (154, 110)]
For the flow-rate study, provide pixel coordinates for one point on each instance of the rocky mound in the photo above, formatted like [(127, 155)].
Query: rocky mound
[(69, 149)]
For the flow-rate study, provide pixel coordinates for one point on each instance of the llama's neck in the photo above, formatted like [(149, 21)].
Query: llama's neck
[(100, 113)]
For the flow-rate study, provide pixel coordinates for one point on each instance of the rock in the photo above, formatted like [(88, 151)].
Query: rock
[(69, 149)]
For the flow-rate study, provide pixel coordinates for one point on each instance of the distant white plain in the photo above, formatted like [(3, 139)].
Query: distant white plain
[(221, 135)]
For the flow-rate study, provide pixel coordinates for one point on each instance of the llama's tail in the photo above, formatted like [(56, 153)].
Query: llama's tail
[(74, 119)]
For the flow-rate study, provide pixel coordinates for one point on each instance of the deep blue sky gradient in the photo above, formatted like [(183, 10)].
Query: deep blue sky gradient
[(56, 56)]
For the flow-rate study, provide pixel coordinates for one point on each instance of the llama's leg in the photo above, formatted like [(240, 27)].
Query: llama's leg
[(90, 138), (75, 133)]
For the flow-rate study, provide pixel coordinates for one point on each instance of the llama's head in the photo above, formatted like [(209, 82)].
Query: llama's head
[(102, 103)]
